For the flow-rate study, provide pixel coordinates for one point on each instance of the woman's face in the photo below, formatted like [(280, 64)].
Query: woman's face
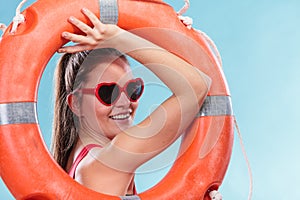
[(102, 119)]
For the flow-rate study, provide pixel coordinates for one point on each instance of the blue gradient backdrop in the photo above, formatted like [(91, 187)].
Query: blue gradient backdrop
[(260, 45)]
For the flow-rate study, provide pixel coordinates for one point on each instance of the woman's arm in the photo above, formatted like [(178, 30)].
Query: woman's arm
[(131, 148)]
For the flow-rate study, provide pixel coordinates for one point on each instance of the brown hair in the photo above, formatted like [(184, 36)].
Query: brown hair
[(70, 73)]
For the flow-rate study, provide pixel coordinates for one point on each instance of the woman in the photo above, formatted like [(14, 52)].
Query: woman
[(99, 146)]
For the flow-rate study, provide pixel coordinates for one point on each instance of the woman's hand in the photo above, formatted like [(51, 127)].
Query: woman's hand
[(94, 36)]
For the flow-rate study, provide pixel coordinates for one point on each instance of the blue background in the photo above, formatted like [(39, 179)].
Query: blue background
[(259, 41)]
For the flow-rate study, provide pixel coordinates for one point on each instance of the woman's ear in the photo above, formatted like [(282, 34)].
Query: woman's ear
[(74, 104)]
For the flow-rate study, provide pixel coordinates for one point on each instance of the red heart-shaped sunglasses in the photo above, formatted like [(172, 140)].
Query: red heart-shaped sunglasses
[(109, 93)]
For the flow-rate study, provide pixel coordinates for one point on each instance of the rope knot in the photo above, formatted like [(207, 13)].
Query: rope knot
[(187, 21), (18, 18), (215, 195)]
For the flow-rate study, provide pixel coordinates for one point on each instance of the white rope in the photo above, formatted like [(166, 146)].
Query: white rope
[(246, 159), (19, 18), (188, 22), (184, 8), (215, 195)]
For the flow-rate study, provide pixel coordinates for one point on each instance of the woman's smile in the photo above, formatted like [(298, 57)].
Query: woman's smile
[(122, 115)]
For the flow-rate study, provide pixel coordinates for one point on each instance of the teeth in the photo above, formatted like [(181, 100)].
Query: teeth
[(120, 116)]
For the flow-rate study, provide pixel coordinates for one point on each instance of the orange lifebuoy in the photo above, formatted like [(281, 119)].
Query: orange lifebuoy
[(26, 166)]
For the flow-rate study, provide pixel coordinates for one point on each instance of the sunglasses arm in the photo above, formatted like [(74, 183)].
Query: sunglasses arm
[(86, 90)]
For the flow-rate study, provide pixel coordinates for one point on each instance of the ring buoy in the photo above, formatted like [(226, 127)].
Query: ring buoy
[(26, 166)]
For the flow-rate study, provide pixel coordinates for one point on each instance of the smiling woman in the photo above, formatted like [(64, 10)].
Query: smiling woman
[(81, 79)]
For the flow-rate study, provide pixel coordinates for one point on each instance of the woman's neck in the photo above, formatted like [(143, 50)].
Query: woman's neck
[(87, 135)]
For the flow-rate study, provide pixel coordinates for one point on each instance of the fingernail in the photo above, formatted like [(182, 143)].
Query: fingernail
[(71, 19), (84, 10), (64, 34)]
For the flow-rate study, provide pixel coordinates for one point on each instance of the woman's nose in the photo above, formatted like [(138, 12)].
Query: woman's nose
[(123, 101)]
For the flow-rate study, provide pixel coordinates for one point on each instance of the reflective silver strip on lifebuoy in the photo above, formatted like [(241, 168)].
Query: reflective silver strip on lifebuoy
[(18, 113), (216, 106), (109, 11), (130, 197)]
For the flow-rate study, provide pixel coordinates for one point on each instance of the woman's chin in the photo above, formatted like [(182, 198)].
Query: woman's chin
[(121, 124)]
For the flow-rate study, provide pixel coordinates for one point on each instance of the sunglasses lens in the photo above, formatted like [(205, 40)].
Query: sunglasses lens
[(134, 90), (109, 93)]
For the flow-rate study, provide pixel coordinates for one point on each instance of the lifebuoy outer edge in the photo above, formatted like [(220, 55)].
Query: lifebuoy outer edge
[(26, 166)]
